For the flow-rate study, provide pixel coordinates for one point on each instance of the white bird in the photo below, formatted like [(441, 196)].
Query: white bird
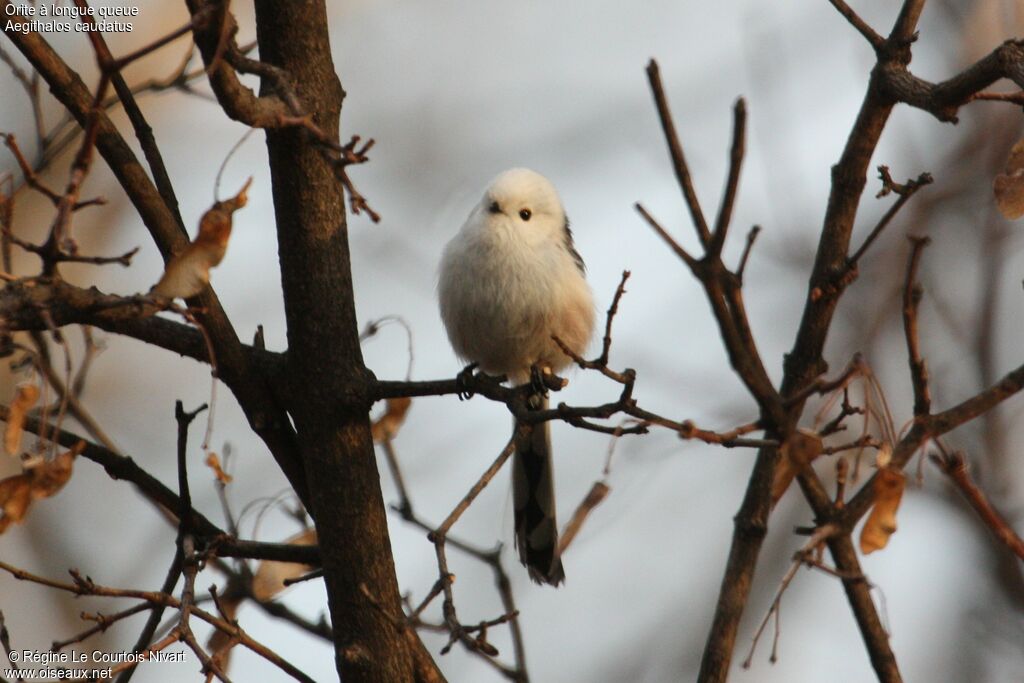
[(510, 280)]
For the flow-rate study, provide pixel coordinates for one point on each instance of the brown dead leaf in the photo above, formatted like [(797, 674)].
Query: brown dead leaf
[(271, 574), (797, 452), (15, 497), (189, 271), (213, 462), (1009, 186), (219, 643), (25, 396), (387, 426), (598, 492), (50, 477), (42, 481), (881, 523)]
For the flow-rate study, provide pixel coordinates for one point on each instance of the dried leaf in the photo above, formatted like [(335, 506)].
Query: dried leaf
[(189, 272), (219, 643), (387, 426), (213, 462), (797, 452), (50, 477), (15, 497), (598, 492), (1009, 186), (881, 523), (41, 481), (271, 574), (25, 396)]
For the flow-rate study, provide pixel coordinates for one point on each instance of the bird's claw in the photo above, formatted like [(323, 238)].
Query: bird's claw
[(462, 381), (537, 383)]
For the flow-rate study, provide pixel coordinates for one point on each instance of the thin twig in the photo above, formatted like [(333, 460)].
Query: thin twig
[(458, 632), (5, 642), (911, 301), (669, 240), (742, 267), (103, 622), (153, 622), (955, 467), (855, 367), (739, 137), (905, 192), (862, 26), (85, 586), (1011, 97), (801, 557), (682, 171)]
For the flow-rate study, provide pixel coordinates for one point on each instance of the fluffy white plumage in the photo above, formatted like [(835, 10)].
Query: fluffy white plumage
[(510, 280), (509, 283)]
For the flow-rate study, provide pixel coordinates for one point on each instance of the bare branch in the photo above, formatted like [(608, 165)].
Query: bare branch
[(252, 391), (739, 137), (955, 467), (911, 301), (1016, 98), (824, 386), (122, 467), (85, 586), (676, 151), (905, 192), (805, 362), (943, 100), (153, 622), (803, 556), (458, 632), (669, 240), (606, 342), (862, 26), (742, 267), (934, 425)]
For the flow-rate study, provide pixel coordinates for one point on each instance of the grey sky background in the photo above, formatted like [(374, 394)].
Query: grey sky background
[(454, 92)]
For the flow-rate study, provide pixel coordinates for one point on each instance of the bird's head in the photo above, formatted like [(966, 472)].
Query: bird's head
[(525, 201)]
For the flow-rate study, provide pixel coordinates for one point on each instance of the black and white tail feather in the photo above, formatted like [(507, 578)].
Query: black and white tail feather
[(533, 497)]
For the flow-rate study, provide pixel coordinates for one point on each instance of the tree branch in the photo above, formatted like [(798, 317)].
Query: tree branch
[(862, 26), (261, 407), (732, 183), (955, 467), (805, 362), (676, 152), (121, 467), (911, 301), (943, 100), (929, 427)]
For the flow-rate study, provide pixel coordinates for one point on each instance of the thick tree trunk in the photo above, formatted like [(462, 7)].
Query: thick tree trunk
[(329, 384)]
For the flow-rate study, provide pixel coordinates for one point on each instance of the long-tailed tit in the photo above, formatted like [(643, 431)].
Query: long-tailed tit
[(510, 279)]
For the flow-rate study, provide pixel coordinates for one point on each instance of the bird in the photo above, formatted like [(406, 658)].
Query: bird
[(509, 281)]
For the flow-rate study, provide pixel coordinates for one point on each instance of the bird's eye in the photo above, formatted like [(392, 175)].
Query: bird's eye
[(494, 208), (525, 214)]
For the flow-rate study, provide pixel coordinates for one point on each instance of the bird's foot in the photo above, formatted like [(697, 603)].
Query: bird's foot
[(462, 381), (538, 380)]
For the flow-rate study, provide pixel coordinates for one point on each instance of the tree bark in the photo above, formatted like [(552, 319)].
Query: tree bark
[(328, 394)]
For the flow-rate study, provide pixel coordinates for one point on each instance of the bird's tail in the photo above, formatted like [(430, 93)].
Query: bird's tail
[(533, 496)]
